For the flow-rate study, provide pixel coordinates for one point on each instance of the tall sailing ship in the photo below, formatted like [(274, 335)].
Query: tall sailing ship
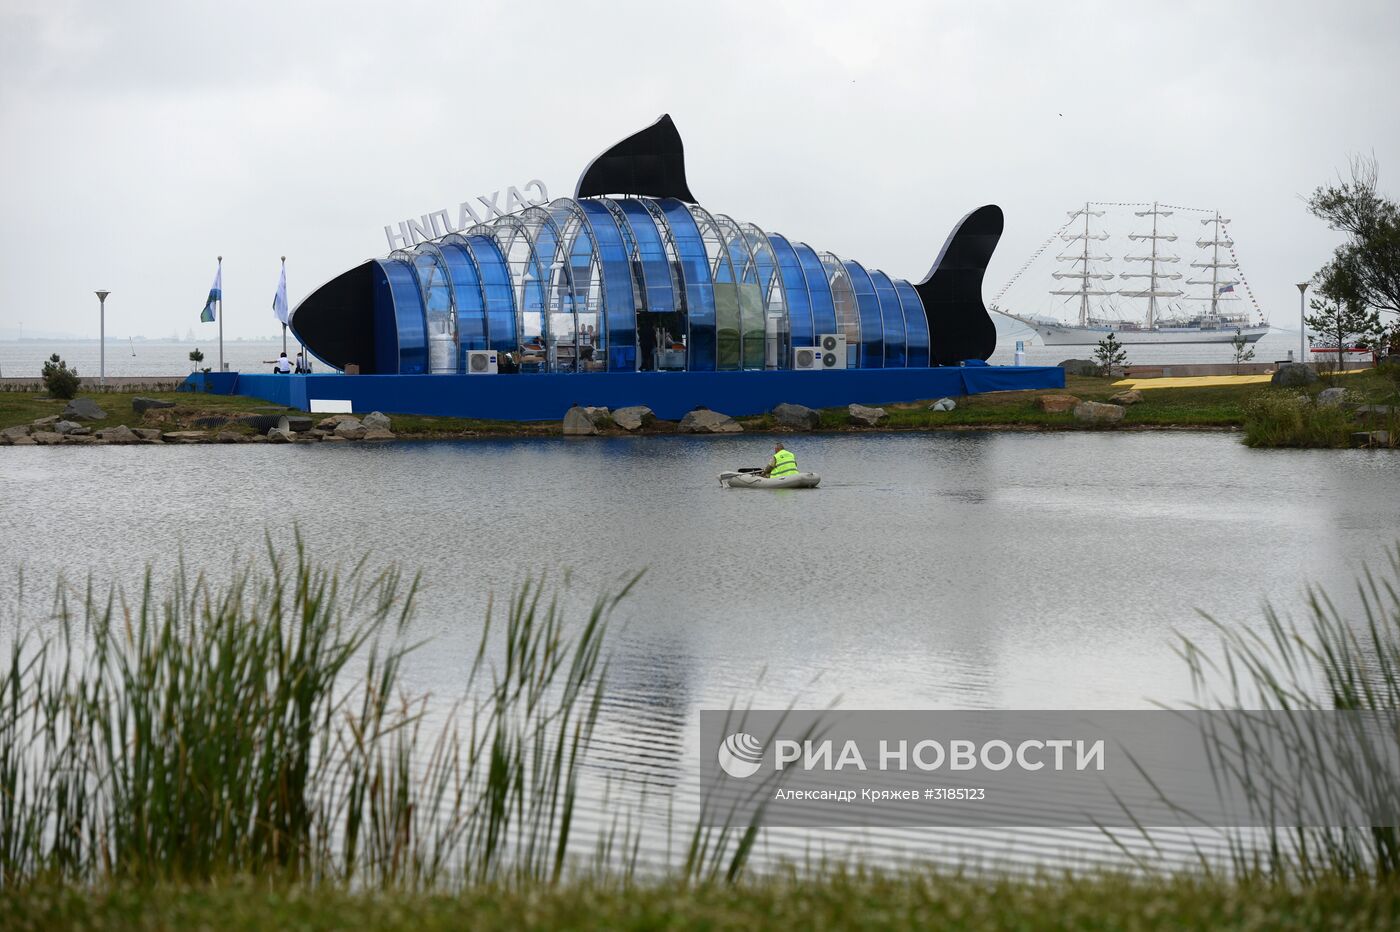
[(1150, 306)]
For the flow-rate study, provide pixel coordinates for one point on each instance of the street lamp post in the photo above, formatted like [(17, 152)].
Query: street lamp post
[(1302, 324), (102, 337)]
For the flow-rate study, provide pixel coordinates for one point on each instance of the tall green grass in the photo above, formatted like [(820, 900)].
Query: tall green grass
[(260, 727)]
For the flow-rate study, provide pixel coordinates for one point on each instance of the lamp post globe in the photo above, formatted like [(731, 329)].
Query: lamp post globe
[(102, 337)]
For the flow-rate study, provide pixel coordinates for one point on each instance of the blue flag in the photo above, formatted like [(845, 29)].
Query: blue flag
[(215, 293)]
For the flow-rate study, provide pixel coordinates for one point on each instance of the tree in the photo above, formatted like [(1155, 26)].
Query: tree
[(1110, 354), (60, 380), (1243, 352), (1346, 323), (196, 357), (1365, 270)]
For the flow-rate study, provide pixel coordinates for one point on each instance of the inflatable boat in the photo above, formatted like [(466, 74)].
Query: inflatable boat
[(751, 479)]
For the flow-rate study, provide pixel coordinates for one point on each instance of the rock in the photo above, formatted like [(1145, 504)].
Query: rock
[(634, 418), (25, 441), (314, 433), (350, 430), (375, 421), (1130, 397), (1293, 375), (119, 434), (943, 404), (577, 423), (796, 417), (228, 436), (1056, 404), (378, 433), (141, 405), (77, 432), (184, 436), (78, 439), (13, 432), (277, 435), (1330, 397), (705, 421), (301, 424), (1099, 413), (332, 438), (147, 434), (866, 417), (47, 422), (332, 422), (258, 438), (601, 417), (1377, 410), (46, 437), (1079, 367), (83, 409), (68, 427)]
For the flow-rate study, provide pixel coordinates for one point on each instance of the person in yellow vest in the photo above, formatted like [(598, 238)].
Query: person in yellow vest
[(782, 464)]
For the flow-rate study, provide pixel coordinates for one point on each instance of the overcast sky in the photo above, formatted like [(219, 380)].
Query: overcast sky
[(140, 140)]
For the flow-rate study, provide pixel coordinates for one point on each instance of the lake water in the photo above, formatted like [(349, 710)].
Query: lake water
[(952, 570)]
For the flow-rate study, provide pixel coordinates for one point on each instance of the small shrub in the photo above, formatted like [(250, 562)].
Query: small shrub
[(1110, 355), (1291, 419), (60, 380)]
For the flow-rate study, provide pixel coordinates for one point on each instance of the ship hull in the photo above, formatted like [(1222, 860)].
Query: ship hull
[(1053, 335)]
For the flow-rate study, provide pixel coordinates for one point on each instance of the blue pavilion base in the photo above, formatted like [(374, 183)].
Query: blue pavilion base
[(545, 397)]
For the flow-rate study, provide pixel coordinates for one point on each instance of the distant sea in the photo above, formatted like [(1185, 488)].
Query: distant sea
[(20, 358)]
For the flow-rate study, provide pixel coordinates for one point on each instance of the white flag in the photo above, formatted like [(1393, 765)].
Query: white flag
[(279, 300)]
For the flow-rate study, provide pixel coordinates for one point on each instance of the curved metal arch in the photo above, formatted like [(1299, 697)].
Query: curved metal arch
[(801, 320), (872, 323), (619, 286), (460, 241), (818, 289), (844, 302), (410, 330), (673, 255), (569, 223), (439, 266), (518, 229), (720, 260), (634, 258), (772, 287), (557, 267), (750, 357), (895, 327)]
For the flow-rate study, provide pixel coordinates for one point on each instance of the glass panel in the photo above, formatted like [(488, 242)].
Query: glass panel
[(823, 308), (751, 307), (770, 283), (408, 316), (803, 332), (438, 308), (619, 302), (726, 289), (694, 268), (843, 297), (466, 290), (560, 324), (915, 323), (872, 325), (498, 293), (893, 316), (660, 324)]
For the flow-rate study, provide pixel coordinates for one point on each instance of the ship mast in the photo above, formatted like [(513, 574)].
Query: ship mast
[(1084, 274), (1215, 265), (1154, 258)]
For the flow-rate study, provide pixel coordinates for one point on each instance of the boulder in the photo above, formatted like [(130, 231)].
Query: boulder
[(1098, 413), (332, 422), (141, 405), (379, 433), (228, 436), (943, 404), (301, 424), (332, 438), (83, 409), (119, 434), (77, 432), (46, 437), (796, 417), (1079, 367), (599, 416), (25, 441), (47, 423), (257, 438), (68, 427), (577, 423), (147, 434), (705, 421), (863, 416), (1056, 404), (1130, 397), (277, 435), (373, 421), (350, 430), (10, 433), (79, 439), (1330, 397), (183, 436), (634, 418), (1293, 375)]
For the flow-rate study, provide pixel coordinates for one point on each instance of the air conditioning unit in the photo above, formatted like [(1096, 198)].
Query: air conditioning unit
[(481, 362), (807, 358), (833, 350)]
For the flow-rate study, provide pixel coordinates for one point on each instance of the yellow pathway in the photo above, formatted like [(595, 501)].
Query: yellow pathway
[(1200, 381)]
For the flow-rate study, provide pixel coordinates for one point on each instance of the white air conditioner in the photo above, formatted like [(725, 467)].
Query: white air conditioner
[(806, 358), (481, 362), (833, 350)]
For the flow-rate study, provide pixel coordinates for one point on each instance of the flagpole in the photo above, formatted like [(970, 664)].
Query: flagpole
[(221, 313), (284, 323)]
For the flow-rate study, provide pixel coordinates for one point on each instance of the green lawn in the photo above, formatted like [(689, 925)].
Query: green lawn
[(846, 901)]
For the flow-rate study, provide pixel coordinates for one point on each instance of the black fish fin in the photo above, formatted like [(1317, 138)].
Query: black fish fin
[(649, 163), (958, 323)]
